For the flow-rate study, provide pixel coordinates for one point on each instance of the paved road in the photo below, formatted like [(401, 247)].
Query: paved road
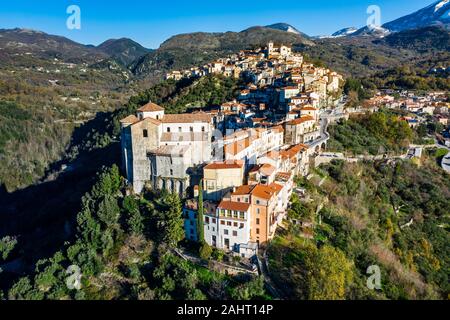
[(446, 163)]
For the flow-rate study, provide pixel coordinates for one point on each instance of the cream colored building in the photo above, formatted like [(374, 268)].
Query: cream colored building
[(221, 177)]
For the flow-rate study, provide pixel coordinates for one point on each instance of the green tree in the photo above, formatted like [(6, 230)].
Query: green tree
[(23, 290), (329, 274), (205, 251), (200, 215), (7, 245), (171, 221), (135, 220), (253, 289)]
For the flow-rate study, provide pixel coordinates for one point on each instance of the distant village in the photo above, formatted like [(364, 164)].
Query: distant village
[(420, 108)]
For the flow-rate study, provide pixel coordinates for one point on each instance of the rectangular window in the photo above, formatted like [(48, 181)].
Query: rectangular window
[(235, 224), (203, 129), (257, 221), (145, 133), (179, 129), (229, 223), (191, 129), (213, 220), (206, 220), (234, 233), (222, 222), (225, 232), (241, 226), (242, 215), (168, 129), (257, 231)]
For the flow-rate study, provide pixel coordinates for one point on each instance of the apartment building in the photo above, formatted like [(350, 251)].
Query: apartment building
[(219, 178), (301, 130)]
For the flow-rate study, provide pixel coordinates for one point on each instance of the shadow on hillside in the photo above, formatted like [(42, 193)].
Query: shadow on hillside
[(43, 216)]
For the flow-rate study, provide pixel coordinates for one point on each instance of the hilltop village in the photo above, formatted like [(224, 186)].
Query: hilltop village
[(243, 155)]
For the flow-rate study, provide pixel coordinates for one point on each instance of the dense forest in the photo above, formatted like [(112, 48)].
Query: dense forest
[(390, 214), (373, 134), (124, 250)]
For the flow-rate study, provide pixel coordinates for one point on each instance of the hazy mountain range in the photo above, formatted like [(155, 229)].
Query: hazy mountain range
[(190, 49)]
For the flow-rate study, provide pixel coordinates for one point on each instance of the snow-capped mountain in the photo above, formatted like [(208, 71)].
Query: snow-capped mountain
[(437, 13), (284, 27), (344, 32)]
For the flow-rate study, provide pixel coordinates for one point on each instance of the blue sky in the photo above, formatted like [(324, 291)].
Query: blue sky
[(151, 22)]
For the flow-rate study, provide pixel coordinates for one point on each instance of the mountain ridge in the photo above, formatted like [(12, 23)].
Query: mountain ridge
[(435, 14)]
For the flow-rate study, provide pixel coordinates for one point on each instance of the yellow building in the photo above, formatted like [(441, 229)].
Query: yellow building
[(221, 177)]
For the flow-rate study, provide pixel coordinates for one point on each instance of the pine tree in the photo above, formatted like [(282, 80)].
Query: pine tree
[(171, 222), (200, 227)]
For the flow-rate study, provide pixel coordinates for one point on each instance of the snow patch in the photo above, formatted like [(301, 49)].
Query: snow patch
[(440, 5)]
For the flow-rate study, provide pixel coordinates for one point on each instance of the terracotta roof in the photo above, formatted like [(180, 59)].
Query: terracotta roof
[(254, 120), (283, 176), (224, 165), (264, 192), (235, 206), (285, 154), (278, 128), (273, 154), (308, 108), (130, 119), (267, 169), (148, 119), (187, 118), (276, 187), (243, 190), (300, 120), (150, 107), (299, 147)]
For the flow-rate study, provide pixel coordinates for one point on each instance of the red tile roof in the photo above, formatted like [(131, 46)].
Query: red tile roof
[(150, 107), (187, 118), (262, 191), (235, 206), (130, 119), (243, 190), (300, 120), (224, 165)]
